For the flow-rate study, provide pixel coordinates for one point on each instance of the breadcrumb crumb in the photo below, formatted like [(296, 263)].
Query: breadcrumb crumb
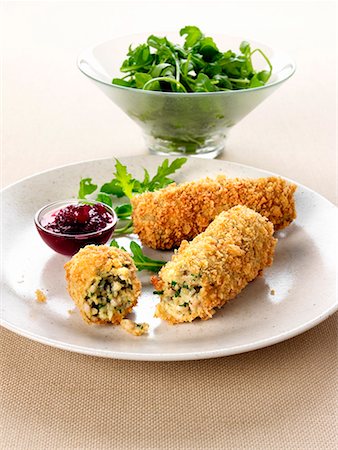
[(137, 329), (40, 296)]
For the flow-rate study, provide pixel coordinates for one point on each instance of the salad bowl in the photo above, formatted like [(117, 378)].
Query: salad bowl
[(191, 123)]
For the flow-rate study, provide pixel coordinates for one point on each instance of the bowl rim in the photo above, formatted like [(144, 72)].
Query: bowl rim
[(79, 235), (290, 62)]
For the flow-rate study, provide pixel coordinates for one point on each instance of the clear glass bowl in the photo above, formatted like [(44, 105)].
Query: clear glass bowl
[(68, 243), (181, 123)]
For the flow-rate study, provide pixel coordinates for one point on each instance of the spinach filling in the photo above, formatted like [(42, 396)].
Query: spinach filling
[(108, 295)]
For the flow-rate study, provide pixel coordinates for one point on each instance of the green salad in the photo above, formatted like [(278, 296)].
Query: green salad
[(197, 66)]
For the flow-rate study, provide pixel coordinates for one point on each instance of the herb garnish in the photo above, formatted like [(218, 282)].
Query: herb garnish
[(124, 184), (142, 262), (197, 66)]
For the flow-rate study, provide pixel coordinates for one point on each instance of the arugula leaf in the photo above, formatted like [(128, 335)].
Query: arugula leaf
[(160, 180), (123, 211), (139, 58), (112, 188), (245, 47), (125, 185), (193, 35), (142, 262), (115, 244), (86, 187), (208, 49), (204, 84), (124, 179), (122, 82), (126, 229), (141, 79), (161, 65), (104, 198)]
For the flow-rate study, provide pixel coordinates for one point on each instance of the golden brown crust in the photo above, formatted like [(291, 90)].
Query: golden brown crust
[(40, 296), (233, 251), (163, 219), (90, 262)]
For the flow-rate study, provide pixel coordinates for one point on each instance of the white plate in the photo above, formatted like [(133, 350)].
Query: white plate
[(302, 276)]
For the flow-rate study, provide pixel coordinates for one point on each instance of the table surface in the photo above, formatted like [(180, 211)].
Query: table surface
[(279, 397)]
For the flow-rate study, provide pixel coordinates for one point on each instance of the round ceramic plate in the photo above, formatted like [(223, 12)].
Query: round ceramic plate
[(297, 292)]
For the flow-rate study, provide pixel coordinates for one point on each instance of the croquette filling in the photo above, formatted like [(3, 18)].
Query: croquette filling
[(181, 298), (109, 294)]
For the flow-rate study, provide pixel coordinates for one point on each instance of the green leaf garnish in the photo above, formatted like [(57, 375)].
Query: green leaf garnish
[(104, 198), (142, 262), (123, 211), (125, 185), (115, 244), (86, 188), (126, 229), (112, 188), (161, 180), (124, 179)]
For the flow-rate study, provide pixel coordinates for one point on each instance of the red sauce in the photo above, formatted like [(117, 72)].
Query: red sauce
[(73, 226), (77, 219)]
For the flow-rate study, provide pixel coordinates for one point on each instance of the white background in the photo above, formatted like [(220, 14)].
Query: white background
[(52, 114)]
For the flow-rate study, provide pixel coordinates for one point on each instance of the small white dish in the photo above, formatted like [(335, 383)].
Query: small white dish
[(295, 294)]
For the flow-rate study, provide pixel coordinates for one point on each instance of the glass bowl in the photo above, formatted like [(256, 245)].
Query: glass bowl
[(181, 123), (68, 243)]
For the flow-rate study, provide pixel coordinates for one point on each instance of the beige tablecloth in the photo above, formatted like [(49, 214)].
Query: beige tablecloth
[(281, 397)]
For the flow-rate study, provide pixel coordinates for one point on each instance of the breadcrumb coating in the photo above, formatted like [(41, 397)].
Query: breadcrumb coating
[(215, 266), (164, 218), (103, 284), (40, 296)]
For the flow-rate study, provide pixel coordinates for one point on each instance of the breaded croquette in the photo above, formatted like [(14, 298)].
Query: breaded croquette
[(215, 266), (103, 284), (164, 218)]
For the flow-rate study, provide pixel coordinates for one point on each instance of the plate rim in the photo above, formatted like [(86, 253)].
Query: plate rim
[(158, 356), (105, 158), (191, 356)]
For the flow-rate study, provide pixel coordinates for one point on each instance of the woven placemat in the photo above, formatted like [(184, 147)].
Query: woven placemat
[(280, 397)]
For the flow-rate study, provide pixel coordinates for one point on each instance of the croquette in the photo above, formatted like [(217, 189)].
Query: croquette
[(164, 218), (103, 284), (215, 266)]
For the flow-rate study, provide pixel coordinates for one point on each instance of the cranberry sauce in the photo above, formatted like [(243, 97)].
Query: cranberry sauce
[(67, 226), (77, 219)]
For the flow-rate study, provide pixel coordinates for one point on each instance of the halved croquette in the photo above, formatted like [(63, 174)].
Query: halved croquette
[(103, 284)]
